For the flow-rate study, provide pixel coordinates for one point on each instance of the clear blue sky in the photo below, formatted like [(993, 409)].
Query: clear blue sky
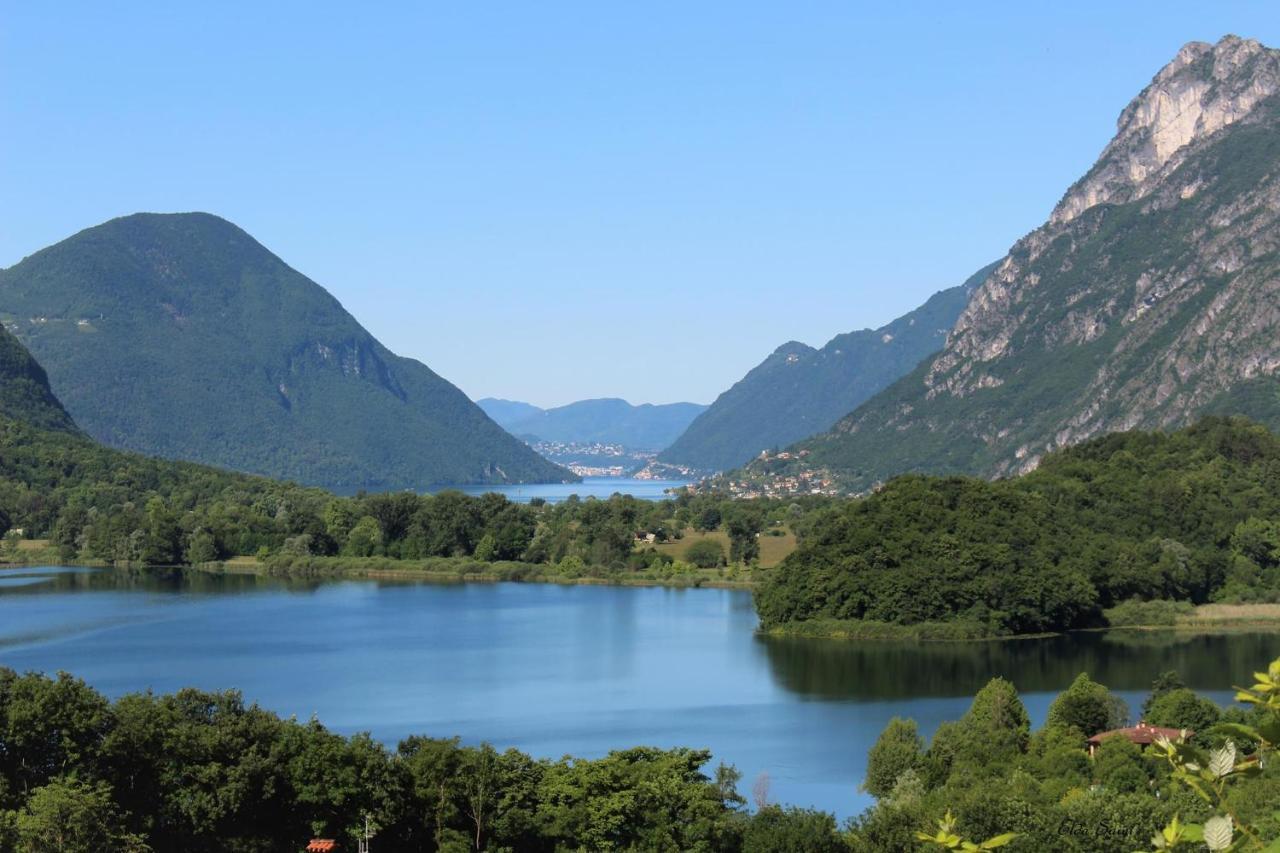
[(550, 201)]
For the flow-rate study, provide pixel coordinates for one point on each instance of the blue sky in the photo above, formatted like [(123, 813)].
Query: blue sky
[(552, 201)]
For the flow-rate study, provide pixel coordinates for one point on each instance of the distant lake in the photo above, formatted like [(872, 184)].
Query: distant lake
[(561, 669), (597, 487)]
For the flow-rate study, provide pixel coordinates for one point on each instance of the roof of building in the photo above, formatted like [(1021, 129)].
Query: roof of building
[(322, 845), (1142, 734)]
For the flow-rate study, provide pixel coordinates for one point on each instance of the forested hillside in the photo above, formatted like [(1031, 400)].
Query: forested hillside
[(1188, 516), (799, 391), (24, 388), (181, 336)]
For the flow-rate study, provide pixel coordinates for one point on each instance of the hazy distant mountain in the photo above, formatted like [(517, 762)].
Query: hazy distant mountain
[(1150, 297), (799, 391), (609, 420), (181, 336)]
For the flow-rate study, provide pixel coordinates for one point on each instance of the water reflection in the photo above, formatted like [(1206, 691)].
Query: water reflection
[(1123, 660), (557, 669)]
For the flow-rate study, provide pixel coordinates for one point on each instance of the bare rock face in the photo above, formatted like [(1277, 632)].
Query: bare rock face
[(1204, 89), (1148, 298)]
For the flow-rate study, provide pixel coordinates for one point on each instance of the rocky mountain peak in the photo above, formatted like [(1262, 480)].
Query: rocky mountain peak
[(1205, 88), (1149, 299)]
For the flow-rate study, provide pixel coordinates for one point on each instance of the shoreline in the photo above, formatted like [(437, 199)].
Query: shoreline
[(463, 573), (1204, 619)]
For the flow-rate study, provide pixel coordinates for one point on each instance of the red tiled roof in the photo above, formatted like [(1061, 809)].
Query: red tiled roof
[(1141, 734), (322, 845)]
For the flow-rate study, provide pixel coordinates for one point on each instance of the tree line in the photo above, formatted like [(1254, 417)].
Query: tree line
[(1191, 516), (204, 771), (94, 503)]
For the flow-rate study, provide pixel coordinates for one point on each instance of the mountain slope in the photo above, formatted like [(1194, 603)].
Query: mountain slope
[(181, 336), (24, 389), (608, 420), (799, 391), (1147, 299)]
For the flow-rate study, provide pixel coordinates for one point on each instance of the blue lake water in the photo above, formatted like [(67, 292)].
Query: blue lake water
[(560, 669), (597, 487)]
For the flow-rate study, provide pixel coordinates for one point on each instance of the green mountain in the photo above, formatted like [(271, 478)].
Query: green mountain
[(24, 389), (181, 336), (799, 391), (607, 421), (59, 483), (1148, 299)]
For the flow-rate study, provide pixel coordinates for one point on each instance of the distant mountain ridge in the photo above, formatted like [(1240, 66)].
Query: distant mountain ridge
[(608, 420), (1150, 297), (179, 335), (799, 391)]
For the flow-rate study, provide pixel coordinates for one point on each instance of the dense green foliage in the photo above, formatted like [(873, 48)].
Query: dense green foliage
[(197, 771), (181, 336), (1050, 376), (95, 503), (988, 776), (606, 421), (98, 503), (1185, 516), (24, 388), (799, 391), (203, 771)]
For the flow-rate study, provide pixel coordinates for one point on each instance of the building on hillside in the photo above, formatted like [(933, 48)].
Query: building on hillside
[(1141, 734), (322, 845)]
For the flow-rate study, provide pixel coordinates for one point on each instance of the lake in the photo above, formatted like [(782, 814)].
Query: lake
[(590, 487), (561, 669)]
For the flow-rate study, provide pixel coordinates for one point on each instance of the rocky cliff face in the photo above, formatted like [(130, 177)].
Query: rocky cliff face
[(1148, 298)]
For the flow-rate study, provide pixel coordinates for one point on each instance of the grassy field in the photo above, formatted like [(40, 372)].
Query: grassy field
[(772, 548), (29, 552), (1227, 614)]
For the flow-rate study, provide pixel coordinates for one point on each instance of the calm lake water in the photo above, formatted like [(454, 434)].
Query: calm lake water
[(599, 487), (555, 670)]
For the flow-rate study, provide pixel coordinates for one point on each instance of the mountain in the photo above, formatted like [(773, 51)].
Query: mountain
[(1151, 296), (183, 337), (799, 391), (607, 421), (24, 389), (505, 413)]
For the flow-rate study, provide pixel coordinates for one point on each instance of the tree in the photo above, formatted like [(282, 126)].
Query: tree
[(898, 749), (708, 519), (486, 548), (201, 547), (1088, 706), (1118, 765), (705, 554), (791, 830), (69, 816), (743, 522), (364, 538), (1164, 682), (996, 723), (163, 535), (1183, 709)]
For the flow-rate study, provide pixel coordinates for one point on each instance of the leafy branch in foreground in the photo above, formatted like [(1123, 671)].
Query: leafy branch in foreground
[(1211, 774), (947, 839)]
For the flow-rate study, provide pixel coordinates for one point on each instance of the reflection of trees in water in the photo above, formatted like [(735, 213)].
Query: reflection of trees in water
[(148, 579), (851, 670)]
